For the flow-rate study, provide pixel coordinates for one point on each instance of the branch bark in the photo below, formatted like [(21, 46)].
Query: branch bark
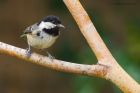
[(107, 67), (115, 74), (83, 69)]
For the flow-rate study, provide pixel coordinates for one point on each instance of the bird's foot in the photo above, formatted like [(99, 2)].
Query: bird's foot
[(28, 52), (50, 56)]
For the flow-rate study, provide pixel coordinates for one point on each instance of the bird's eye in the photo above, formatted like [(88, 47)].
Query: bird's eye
[(38, 33)]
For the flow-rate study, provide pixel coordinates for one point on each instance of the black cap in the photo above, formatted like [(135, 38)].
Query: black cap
[(53, 19)]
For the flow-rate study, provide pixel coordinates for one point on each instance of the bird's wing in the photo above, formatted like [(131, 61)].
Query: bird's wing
[(30, 29), (34, 27)]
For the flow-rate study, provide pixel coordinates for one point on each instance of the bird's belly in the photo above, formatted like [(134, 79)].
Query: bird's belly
[(41, 43)]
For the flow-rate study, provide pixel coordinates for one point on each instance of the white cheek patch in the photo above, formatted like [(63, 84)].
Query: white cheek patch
[(47, 25)]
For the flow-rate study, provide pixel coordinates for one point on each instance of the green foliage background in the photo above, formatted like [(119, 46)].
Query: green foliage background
[(117, 21)]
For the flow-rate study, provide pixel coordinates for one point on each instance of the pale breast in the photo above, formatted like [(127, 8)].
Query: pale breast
[(41, 43)]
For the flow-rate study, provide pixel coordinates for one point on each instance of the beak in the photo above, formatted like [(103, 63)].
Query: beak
[(61, 26)]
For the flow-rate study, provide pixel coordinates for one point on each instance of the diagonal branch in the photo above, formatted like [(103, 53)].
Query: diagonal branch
[(107, 66), (89, 70), (115, 74), (87, 28)]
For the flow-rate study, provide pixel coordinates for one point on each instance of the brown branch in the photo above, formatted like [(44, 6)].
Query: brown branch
[(89, 70), (87, 28), (107, 66), (115, 74)]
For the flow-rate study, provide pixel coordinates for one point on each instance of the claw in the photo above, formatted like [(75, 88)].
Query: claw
[(50, 56), (28, 51)]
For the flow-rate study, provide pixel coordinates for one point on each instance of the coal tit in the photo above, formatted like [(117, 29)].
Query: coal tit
[(43, 34)]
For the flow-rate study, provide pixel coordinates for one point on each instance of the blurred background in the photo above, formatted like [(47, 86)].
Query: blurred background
[(117, 21)]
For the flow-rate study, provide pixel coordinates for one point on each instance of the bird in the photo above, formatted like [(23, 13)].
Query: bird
[(43, 34)]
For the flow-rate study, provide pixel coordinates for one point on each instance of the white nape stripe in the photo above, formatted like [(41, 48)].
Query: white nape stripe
[(47, 25)]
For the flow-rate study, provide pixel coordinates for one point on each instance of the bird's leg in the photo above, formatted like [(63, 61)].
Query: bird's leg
[(50, 56), (28, 51)]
